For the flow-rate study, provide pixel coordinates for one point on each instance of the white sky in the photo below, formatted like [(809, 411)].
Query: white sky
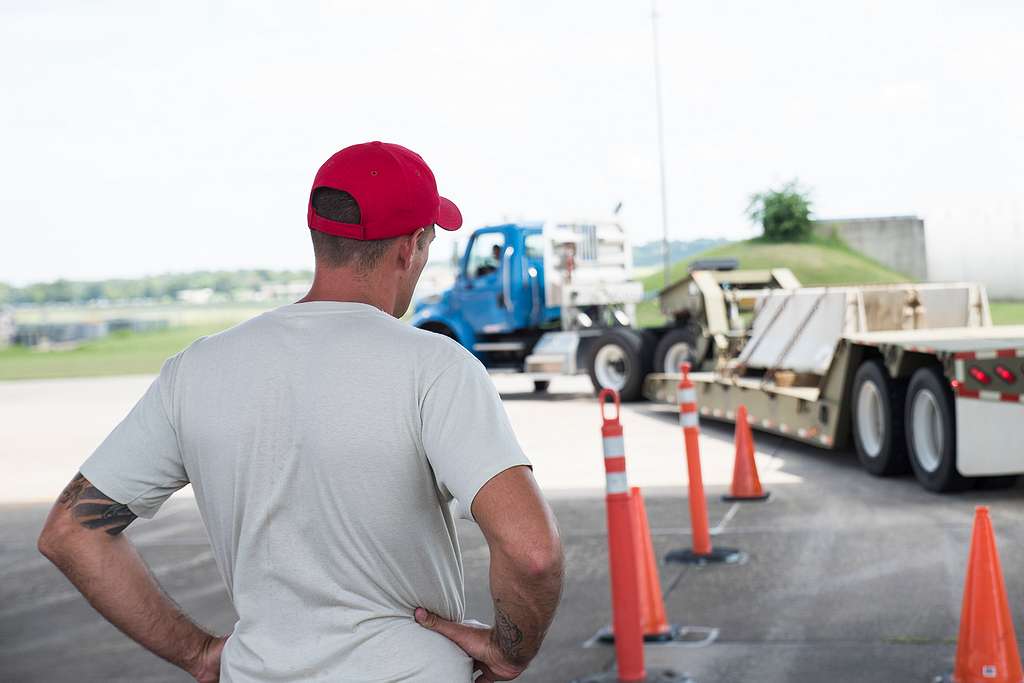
[(140, 138)]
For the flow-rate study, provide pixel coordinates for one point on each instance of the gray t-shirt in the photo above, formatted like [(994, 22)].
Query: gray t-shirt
[(324, 441)]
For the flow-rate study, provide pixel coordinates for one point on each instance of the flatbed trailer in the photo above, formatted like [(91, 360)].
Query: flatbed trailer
[(946, 402)]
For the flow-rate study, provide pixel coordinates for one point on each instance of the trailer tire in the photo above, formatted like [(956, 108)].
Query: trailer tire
[(619, 359), (931, 432), (678, 345), (540, 386), (877, 418)]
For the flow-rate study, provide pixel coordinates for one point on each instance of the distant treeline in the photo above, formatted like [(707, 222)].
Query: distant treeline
[(167, 286), (156, 287)]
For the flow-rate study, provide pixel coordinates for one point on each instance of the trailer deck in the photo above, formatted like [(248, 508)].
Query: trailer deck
[(947, 340)]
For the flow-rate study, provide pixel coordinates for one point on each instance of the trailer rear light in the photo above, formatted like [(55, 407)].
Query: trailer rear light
[(980, 375), (1005, 374)]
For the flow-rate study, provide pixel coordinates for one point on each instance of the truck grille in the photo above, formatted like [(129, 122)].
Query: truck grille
[(587, 250)]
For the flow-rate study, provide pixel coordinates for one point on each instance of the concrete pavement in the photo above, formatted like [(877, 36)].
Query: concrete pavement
[(50, 427), (849, 578)]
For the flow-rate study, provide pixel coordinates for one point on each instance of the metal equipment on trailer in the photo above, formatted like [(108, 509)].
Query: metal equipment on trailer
[(710, 308), (915, 374)]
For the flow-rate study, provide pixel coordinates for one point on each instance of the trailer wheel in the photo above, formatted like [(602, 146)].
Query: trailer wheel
[(540, 386), (677, 346), (617, 361), (878, 420), (931, 432)]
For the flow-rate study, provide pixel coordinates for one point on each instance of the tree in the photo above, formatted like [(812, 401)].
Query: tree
[(785, 214)]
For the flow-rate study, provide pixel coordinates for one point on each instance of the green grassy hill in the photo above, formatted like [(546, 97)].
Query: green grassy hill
[(819, 262), (813, 263)]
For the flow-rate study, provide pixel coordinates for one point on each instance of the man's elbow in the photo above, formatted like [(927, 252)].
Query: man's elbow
[(543, 561), (53, 541), (49, 544)]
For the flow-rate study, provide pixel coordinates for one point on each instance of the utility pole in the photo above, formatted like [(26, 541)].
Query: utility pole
[(661, 143)]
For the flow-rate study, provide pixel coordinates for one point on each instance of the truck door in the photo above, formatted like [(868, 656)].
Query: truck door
[(529, 310), (481, 283)]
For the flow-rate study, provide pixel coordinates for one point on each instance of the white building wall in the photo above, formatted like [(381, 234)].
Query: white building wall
[(894, 241), (986, 246)]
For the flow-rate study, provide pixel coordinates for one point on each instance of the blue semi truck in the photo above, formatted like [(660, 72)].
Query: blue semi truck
[(558, 298)]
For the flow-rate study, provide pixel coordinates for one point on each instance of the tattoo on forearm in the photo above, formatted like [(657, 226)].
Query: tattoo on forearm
[(508, 635), (93, 509)]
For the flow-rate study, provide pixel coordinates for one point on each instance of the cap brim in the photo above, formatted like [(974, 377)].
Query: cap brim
[(448, 215)]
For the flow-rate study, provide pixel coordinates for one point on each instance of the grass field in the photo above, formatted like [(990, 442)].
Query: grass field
[(121, 353), (1008, 312)]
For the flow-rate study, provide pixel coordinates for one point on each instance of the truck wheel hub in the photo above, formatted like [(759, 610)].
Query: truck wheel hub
[(927, 430), (610, 366), (678, 354), (870, 420)]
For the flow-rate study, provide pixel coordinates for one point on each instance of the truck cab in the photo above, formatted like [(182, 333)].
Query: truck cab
[(496, 308)]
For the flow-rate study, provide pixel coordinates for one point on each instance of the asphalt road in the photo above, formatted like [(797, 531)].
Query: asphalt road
[(849, 578)]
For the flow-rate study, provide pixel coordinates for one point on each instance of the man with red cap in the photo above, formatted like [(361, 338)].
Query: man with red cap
[(329, 447)]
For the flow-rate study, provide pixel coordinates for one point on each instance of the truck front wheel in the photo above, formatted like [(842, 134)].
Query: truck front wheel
[(931, 432), (878, 420), (619, 360), (441, 329)]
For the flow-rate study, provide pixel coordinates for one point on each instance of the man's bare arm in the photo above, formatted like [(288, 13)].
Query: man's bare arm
[(526, 561), (526, 576), (82, 537)]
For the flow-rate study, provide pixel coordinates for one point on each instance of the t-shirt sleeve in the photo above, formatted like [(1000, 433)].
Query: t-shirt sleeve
[(139, 463), (467, 436)]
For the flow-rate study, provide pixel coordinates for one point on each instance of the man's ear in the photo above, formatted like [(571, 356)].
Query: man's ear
[(407, 249)]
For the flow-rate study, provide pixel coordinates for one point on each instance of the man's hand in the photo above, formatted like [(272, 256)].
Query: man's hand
[(207, 668), (526, 577), (477, 640)]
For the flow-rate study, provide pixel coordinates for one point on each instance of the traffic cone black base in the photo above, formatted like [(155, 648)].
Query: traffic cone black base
[(607, 636), (746, 499), (653, 676), (716, 556)]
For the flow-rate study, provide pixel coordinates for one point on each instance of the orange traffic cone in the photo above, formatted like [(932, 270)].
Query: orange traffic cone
[(629, 643), (652, 604), (702, 553), (746, 485), (986, 648)]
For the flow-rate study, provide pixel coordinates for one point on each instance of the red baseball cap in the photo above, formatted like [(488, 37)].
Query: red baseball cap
[(394, 188)]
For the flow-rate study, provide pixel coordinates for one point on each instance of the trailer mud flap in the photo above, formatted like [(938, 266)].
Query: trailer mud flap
[(988, 436)]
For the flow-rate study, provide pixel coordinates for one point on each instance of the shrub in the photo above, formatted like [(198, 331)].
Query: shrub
[(785, 214)]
